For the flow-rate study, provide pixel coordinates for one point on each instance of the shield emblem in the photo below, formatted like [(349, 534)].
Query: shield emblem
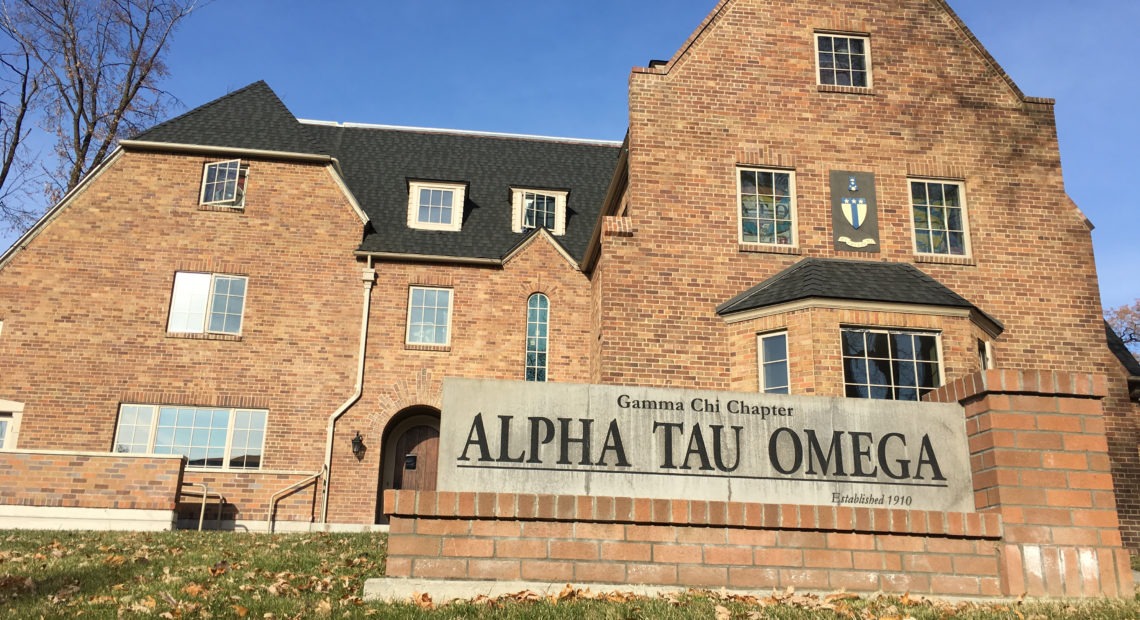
[(855, 211)]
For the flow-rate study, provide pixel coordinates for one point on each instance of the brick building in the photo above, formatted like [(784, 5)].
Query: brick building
[(809, 200)]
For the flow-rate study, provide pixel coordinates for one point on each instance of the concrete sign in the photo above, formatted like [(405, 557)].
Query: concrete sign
[(557, 438)]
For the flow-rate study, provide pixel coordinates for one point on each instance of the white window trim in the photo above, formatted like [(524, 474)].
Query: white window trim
[(867, 53), (760, 338), (14, 412), (518, 213), (450, 316), (546, 340), (740, 207), (459, 193), (967, 245), (229, 434), (209, 305), (238, 202)]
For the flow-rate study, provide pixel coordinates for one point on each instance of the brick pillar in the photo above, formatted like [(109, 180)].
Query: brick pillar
[(1040, 459)]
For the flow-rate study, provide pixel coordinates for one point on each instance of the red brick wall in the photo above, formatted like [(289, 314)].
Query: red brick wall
[(247, 496), (1045, 523), (554, 538), (744, 93), (85, 307), (72, 480), (1040, 460), (487, 340)]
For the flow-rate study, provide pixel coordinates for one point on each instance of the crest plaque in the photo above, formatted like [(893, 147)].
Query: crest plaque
[(854, 216)]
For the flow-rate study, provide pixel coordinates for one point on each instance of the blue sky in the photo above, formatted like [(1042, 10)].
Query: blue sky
[(560, 68)]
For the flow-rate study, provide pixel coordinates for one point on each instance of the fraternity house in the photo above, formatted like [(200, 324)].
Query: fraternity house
[(826, 318)]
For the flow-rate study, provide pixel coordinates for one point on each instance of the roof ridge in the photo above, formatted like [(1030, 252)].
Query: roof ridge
[(460, 132)]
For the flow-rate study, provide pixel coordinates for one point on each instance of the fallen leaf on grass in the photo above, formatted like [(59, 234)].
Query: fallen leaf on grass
[(423, 600), (722, 613), (219, 569), (241, 611)]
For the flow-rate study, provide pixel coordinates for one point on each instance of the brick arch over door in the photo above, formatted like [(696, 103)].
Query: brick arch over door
[(409, 458)]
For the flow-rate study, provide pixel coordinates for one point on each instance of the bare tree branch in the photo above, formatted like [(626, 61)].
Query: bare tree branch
[(1125, 321), (87, 71)]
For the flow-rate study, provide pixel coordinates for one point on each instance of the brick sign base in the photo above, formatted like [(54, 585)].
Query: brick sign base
[(1045, 523)]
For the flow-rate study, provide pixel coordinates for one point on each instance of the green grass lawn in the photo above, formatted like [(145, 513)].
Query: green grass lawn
[(226, 575)]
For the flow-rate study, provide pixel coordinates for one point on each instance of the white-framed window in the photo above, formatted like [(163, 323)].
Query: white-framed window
[(843, 59), (773, 361), (938, 211), (206, 303), (767, 206), (223, 184), (435, 206), (537, 336), (429, 316), (890, 364), (10, 413), (214, 437), (539, 208), (7, 430)]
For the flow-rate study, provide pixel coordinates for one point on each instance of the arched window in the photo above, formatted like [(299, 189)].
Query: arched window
[(537, 324)]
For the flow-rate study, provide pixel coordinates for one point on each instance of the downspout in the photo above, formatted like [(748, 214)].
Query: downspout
[(368, 276)]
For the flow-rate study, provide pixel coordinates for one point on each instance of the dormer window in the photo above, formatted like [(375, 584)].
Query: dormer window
[(539, 208), (435, 206), (223, 184)]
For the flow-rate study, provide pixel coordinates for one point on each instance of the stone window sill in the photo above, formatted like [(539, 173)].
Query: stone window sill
[(439, 348), (190, 336), (768, 249), (221, 209), (939, 259), (847, 90)]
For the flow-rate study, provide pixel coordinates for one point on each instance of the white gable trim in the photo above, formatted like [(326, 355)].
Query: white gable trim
[(545, 234)]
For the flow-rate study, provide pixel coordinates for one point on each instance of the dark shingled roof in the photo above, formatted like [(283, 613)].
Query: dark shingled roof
[(249, 118), (378, 162), (1120, 350), (900, 283)]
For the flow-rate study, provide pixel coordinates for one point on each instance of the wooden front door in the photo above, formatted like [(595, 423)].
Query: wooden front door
[(417, 455)]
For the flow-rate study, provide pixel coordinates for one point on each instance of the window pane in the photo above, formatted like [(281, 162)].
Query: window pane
[(226, 304), (747, 182), (853, 343), (878, 345), (879, 372), (188, 302), (535, 366), (775, 348), (855, 370), (428, 316), (775, 376)]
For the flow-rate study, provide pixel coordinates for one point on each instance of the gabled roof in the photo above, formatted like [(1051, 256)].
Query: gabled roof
[(663, 68), (824, 278), (377, 162)]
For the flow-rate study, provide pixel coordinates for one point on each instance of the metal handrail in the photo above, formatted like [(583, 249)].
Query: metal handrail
[(206, 495), (276, 497)]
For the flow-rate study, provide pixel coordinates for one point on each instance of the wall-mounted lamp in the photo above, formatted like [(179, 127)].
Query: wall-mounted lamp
[(358, 447)]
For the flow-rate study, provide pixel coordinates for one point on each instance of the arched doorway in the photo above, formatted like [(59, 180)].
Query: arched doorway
[(410, 454)]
